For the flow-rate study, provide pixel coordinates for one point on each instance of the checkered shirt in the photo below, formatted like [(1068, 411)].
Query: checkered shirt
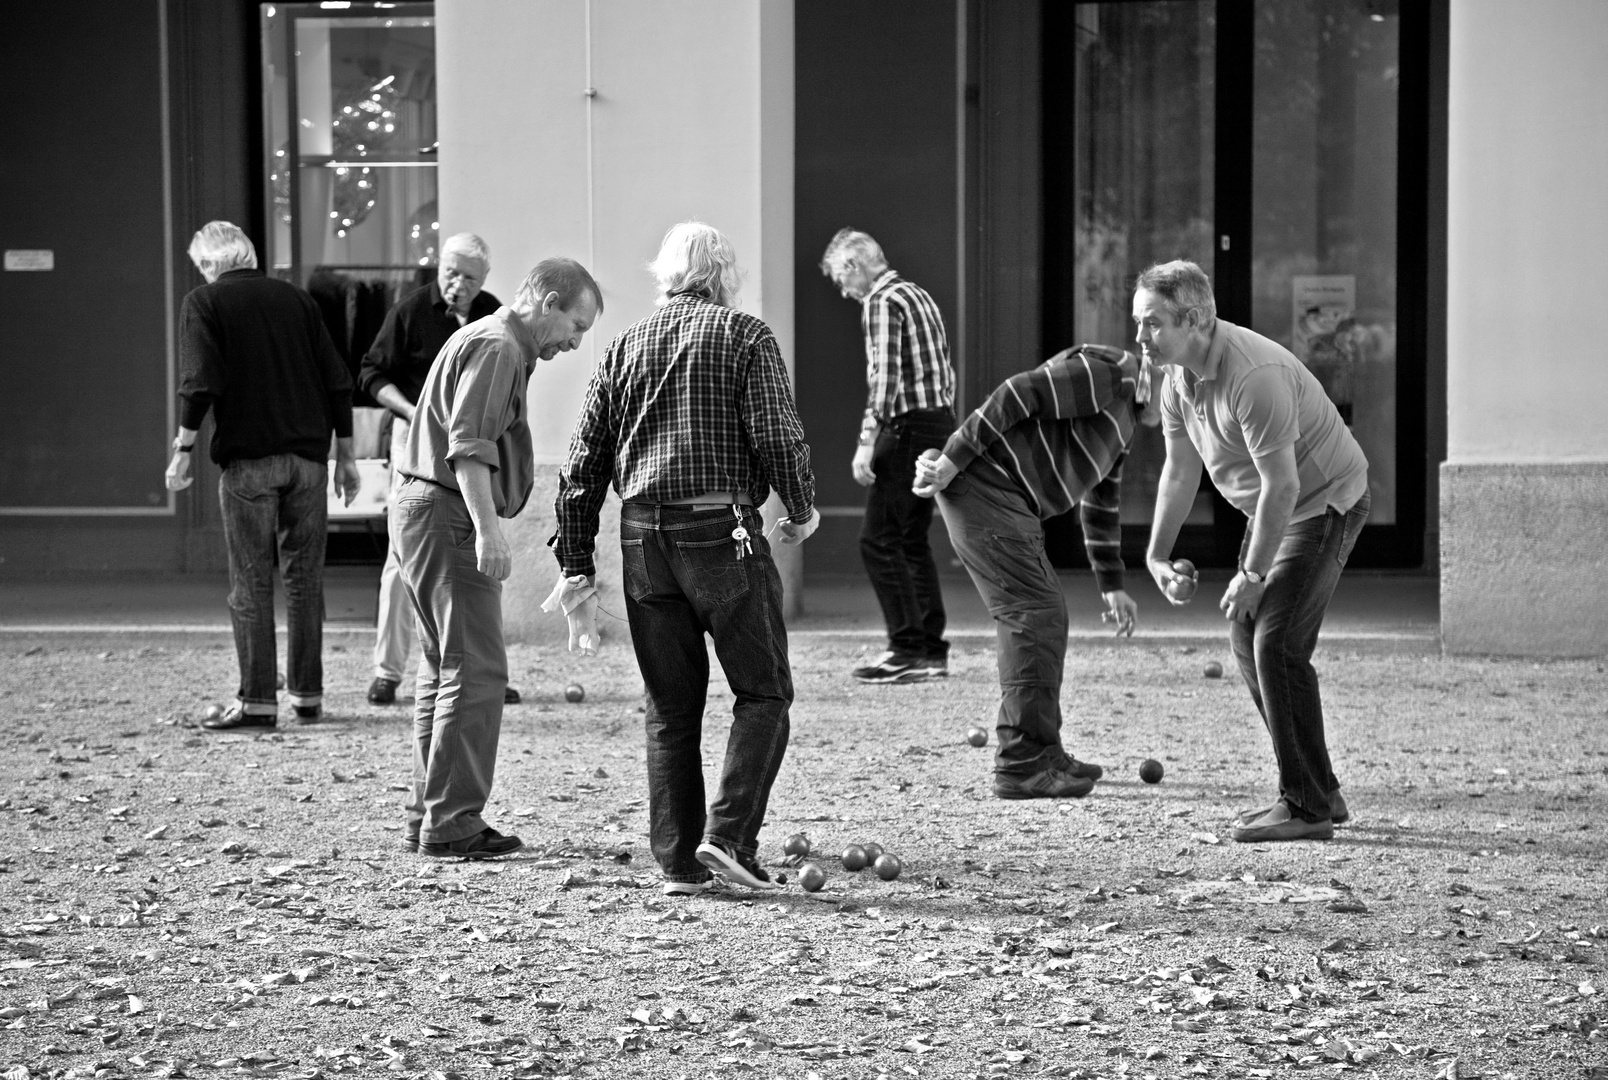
[(691, 400), (906, 350)]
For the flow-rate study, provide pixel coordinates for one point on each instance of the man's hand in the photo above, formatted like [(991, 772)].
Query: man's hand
[(347, 479), (178, 477), (576, 597), (861, 465), (1161, 570), (786, 531), (1242, 598), (934, 471), (492, 554), (1121, 610)]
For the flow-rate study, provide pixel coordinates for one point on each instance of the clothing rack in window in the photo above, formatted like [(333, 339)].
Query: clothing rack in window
[(354, 299)]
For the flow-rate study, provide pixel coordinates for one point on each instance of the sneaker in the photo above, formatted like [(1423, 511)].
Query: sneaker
[(486, 844), (1087, 769), (688, 888), (510, 696), (735, 869), (1279, 824), (892, 667), (1049, 784), (936, 667), (382, 691), (308, 714), (1339, 812), (237, 719)]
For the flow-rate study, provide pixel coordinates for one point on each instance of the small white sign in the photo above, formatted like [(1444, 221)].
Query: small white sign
[(25, 259)]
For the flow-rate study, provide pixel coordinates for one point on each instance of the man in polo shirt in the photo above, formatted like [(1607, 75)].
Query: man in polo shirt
[(1047, 440), (1255, 418), (910, 408), (392, 373), (469, 462)]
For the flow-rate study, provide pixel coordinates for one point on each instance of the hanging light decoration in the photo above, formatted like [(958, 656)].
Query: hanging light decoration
[(363, 126)]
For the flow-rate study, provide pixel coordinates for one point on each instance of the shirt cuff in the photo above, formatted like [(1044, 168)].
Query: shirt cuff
[(481, 450)]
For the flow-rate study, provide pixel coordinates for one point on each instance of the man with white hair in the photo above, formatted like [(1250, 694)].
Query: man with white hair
[(690, 415), (254, 352), (393, 371), (910, 409), (468, 463)]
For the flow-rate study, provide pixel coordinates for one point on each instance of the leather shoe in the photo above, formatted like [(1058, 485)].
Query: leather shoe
[(410, 842), (1339, 812), (510, 696), (1049, 784), (1083, 768), (237, 719), (1279, 824), (486, 844), (382, 691)]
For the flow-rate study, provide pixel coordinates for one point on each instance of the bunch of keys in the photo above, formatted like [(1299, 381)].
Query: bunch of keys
[(739, 535)]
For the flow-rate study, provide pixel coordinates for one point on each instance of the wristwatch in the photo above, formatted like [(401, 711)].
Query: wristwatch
[(1252, 576), (183, 448)]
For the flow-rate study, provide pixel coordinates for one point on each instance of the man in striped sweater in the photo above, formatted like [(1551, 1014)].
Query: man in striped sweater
[(1047, 440)]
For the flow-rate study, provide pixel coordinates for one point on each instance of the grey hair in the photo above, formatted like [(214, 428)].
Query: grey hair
[(861, 247), (1182, 287), (467, 243), (222, 246), (697, 258), (566, 277)]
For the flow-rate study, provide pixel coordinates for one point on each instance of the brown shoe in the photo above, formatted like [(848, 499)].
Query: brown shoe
[(1339, 812), (1279, 824), (1049, 784)]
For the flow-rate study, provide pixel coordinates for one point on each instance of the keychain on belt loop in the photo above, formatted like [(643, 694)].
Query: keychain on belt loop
[(739, 535)]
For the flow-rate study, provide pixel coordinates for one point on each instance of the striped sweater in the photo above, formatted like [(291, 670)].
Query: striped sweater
[(1059, 434)]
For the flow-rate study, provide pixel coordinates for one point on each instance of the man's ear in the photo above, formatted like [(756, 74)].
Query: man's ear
[(550, 303)]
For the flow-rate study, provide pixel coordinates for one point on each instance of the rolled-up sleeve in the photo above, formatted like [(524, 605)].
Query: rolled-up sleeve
[(480, 404)]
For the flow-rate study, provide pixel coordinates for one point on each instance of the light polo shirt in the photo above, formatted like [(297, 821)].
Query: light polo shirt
[(1255, 398), (472, 407)]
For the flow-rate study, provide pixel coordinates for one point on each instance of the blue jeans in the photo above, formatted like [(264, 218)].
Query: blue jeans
[(893, 536), (279, 498), (1000, 541), (683, 580), (1274, 651), (463, 663)]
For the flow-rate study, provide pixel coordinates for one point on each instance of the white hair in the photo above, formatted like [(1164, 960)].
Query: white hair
[(696, 258), (221, 246), (856, 245), (467, 243)]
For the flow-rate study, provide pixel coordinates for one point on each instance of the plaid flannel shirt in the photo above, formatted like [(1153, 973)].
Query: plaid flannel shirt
[(906, 350), (691, 400)]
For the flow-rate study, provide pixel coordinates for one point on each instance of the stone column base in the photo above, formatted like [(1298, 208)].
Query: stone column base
[(1524, 564)]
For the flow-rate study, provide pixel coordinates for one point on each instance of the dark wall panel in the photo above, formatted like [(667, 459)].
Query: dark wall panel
[(876, 149), (83, 348)]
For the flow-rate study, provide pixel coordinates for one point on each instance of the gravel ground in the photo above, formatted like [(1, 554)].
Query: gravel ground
[(189, 904)]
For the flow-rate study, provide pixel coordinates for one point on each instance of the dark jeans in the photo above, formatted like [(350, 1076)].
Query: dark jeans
[(893, 537), (1001, 543), (280, 498), (683, 580), (463, 664), (1274, 651)]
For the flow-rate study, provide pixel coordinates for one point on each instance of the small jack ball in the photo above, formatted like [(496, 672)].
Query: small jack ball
[(574, 692), (1150, 771), (977, 736), (1214, 670)]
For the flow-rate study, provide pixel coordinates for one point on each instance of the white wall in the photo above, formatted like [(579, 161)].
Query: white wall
[(1527, 355), (674, 132)]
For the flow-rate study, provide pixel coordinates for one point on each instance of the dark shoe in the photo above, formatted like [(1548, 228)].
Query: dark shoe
[(237, 719), (892, 667), (410, 842), (1339, 812), (935, 667), (735, 869), (486, 844), (1049, 784), (308, 714), (1279, 824), (383, 691), (510, 696), (1086, 769)]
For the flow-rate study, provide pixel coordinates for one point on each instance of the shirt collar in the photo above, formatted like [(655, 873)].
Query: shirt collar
[(884, 279), (522, 336), (1214, 353), (436, 299)]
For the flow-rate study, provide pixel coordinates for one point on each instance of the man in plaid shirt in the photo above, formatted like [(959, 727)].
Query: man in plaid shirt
[(1047, 440), (911, 408), (690, 415)]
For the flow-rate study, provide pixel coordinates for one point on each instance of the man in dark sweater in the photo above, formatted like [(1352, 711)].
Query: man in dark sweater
[(393, 371), (254, 351), (1047, 440)]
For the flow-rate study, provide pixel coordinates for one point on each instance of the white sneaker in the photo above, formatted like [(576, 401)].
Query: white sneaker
[(688, 888), (735, 869)]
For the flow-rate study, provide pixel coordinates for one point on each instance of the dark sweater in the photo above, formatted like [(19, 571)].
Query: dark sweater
[(254, 350), (410, 338)]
